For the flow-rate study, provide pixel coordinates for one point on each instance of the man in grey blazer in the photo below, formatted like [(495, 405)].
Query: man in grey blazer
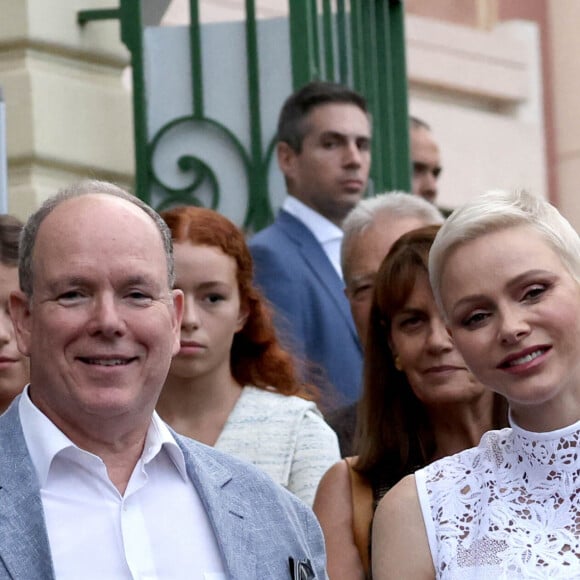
[(92, 483), (323, 151)]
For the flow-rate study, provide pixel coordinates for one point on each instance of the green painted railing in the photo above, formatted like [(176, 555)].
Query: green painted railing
[(359, 43)]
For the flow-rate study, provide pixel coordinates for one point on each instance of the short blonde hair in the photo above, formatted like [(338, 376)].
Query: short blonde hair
[(497, 210)]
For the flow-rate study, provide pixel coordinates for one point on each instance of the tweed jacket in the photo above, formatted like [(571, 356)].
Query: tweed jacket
[(286, 437)]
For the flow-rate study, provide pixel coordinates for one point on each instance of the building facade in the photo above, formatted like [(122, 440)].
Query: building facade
[(495, 80)]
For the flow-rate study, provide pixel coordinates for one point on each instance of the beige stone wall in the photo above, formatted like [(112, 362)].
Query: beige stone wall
[(564, 16), (477, 83), (68, 114), (481, 92), (482, 14)]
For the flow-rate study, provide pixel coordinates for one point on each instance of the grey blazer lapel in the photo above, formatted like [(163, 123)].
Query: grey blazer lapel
[(24, 547), (232, 523)]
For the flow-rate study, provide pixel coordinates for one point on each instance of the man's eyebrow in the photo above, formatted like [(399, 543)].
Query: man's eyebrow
[(58, 284), (340, 135), (366, 277), (67, 281), (140, 280), (363, 275)]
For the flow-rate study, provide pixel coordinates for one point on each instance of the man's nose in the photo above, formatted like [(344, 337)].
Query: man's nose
[(431, 180), (352, 154), (107, 318), (6, 328)]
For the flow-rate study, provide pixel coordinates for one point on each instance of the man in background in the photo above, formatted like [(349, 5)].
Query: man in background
[(370, 230), (323, 150), (425, 160)]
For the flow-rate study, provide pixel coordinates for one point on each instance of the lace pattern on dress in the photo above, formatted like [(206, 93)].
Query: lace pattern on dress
[(509, 508)]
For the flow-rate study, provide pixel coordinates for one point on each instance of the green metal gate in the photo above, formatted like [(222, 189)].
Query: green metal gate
[(359, 43)]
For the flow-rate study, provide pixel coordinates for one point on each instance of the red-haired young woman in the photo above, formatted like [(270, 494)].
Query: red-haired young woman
[(232, 385)]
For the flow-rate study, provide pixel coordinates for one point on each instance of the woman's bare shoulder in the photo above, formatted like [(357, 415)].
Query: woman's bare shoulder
[(400, 544)]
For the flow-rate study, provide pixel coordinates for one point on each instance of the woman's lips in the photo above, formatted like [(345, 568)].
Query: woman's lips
[(442, 369), (189, 347), (523, 357)]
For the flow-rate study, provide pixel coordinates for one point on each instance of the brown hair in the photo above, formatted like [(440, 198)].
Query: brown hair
[(291, 122), (394, 431), (256, 357)]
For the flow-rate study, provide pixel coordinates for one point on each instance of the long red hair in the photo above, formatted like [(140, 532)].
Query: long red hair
[(257, 357)]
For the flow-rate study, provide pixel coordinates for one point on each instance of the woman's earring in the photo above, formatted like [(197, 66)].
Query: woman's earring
[(397, 362)]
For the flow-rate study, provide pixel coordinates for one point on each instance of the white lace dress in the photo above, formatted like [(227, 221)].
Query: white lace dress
[(507, 509)]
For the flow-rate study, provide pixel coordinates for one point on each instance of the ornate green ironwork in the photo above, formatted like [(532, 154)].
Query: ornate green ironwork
[(130, 17), (360, 43)]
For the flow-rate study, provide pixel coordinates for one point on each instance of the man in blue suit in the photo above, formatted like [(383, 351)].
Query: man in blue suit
[(92, 483), (323, 150)]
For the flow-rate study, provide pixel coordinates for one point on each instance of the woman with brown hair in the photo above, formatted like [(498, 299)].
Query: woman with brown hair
[(420, 402), (232, 385)]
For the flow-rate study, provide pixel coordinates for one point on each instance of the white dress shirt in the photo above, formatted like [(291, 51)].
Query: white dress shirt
[(329, 235), (158, 529)]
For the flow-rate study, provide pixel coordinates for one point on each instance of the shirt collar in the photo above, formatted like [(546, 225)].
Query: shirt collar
[(322, 229), (45, 440)]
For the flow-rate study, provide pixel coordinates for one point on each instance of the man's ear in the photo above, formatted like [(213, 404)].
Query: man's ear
[(286, 157), (177, 313), (20, 312)]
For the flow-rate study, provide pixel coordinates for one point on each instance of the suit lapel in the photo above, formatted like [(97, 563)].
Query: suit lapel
[(24, 547), (229, 517), (319, 263)]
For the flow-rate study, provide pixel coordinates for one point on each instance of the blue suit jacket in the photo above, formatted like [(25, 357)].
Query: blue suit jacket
[(298, 279), (258, 524)]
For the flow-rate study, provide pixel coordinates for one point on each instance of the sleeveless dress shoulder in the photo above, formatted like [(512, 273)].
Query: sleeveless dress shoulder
[(509, 508)]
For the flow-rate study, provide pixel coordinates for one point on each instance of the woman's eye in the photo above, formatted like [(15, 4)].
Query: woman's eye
[(474, 320), (214, 298), (534, 292), (411, 323)]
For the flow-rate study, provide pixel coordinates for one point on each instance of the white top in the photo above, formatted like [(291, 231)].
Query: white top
[(284, 436), (157, 529), (329, 235), (507, 509)]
